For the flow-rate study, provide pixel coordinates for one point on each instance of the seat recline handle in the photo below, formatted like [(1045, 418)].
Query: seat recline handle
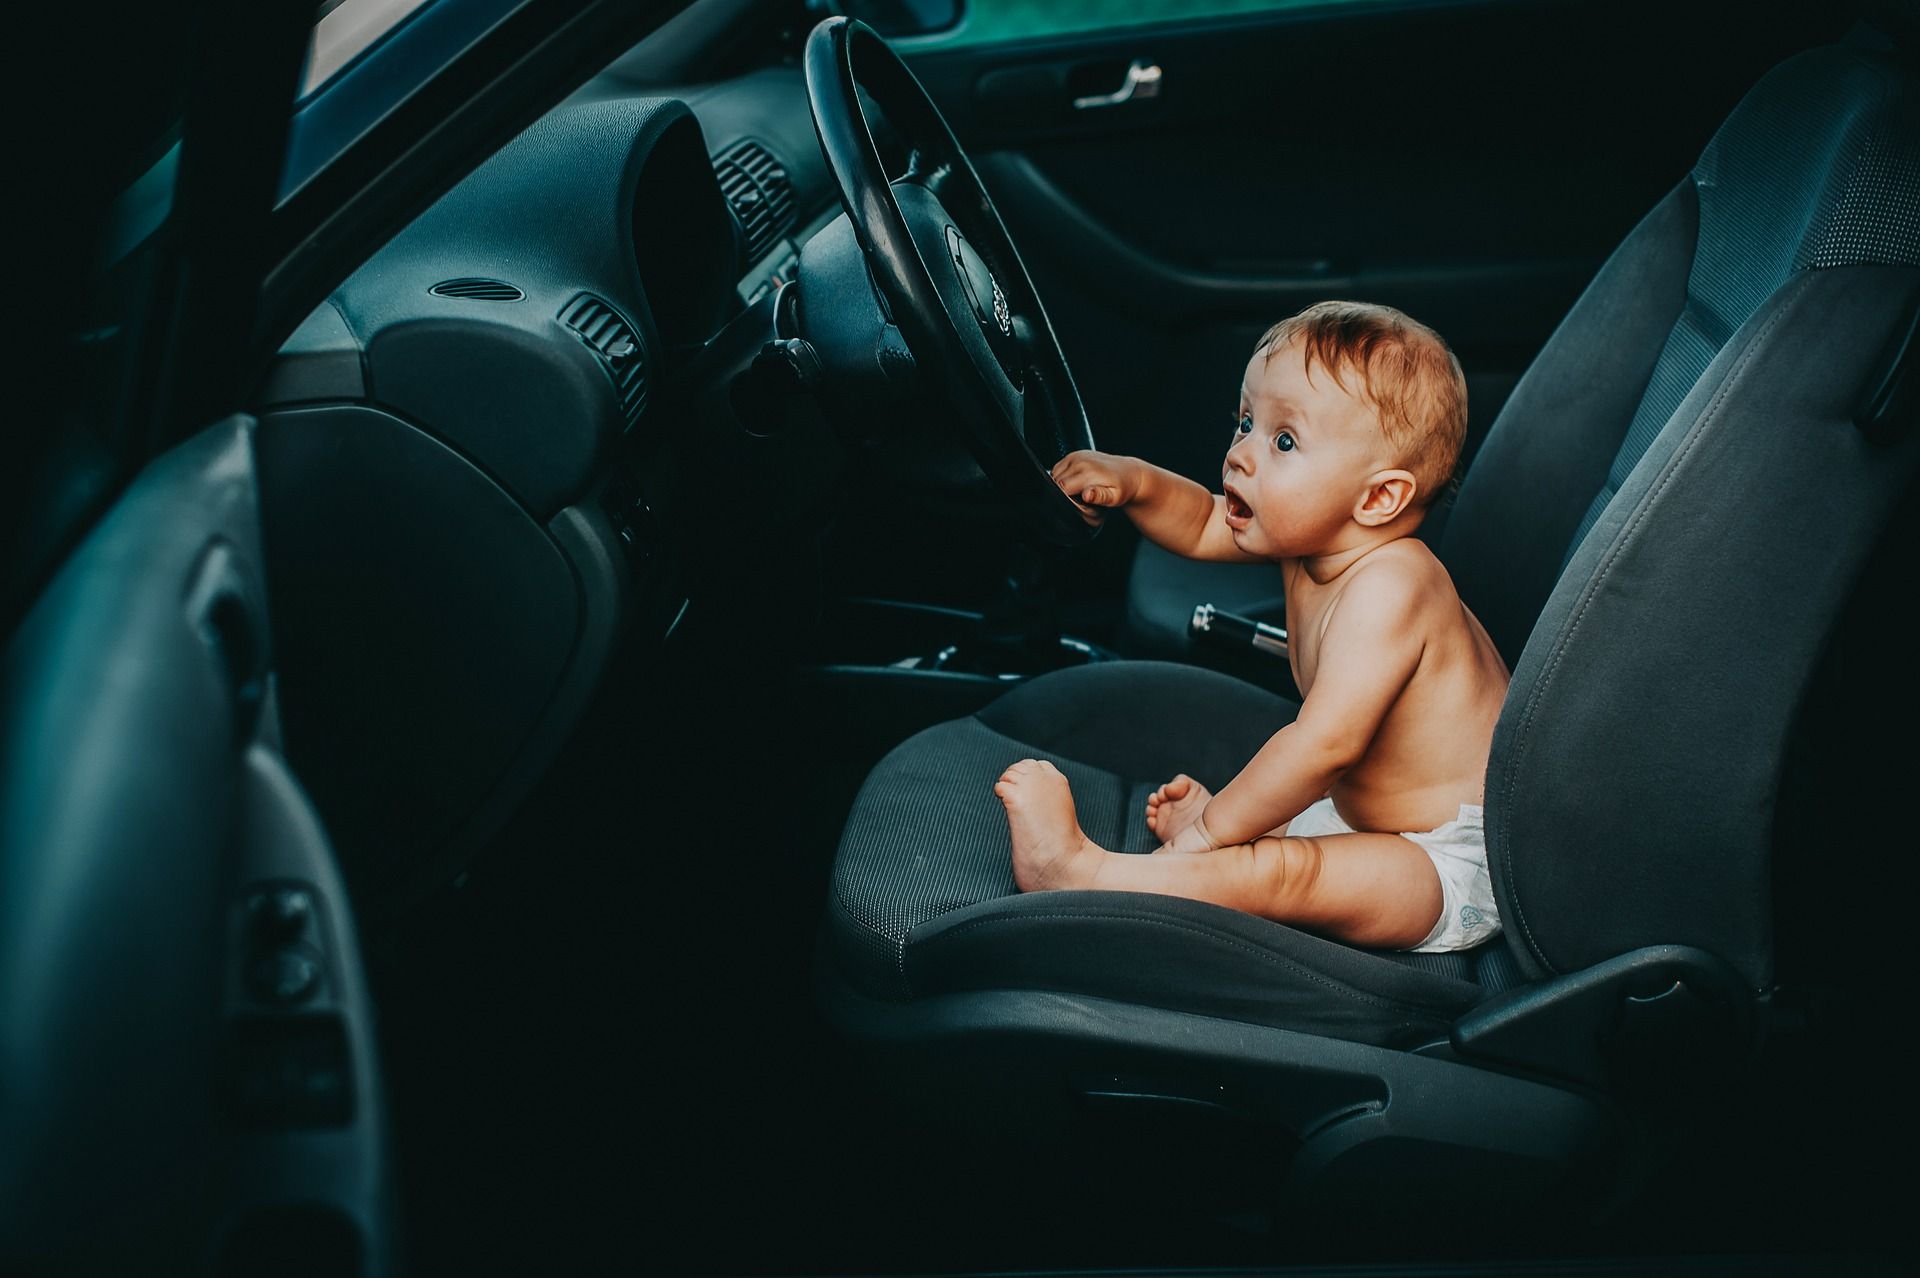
[(1649, 1016)]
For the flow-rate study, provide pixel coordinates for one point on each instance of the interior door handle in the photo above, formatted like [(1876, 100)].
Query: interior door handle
[(1142, 82)]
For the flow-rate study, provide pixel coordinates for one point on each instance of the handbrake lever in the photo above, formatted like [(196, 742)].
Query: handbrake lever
[(1231, 630)]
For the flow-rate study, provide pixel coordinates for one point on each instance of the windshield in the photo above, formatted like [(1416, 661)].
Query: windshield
[(344, 30)]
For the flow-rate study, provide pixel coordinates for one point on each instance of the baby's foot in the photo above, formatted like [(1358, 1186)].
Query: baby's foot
[(1049, 848), (1175, 806)]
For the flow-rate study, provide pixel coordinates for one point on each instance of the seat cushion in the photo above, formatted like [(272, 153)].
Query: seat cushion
[(923, 901)]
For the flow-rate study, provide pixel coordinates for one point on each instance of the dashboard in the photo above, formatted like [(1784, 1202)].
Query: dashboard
[(469, 453), (639, 225)]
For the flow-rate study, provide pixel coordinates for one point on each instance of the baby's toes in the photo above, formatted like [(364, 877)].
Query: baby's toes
[(1024, 772)]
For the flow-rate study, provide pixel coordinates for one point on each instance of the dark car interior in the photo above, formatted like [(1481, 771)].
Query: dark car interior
[(514, 793)]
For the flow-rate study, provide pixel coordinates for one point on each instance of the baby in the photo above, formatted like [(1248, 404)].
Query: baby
[(1361, 819)]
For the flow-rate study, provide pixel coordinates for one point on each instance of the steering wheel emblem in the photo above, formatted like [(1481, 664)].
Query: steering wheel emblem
[(983, 290)]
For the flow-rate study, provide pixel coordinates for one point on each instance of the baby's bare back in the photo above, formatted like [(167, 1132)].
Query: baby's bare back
[(1429, 754)]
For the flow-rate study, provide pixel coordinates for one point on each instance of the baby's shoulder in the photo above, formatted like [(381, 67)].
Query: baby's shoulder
[(1398, 583), (1403, 568)]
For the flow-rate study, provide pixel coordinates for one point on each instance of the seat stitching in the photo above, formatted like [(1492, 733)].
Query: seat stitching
[(1592, 588), (1291, 965)]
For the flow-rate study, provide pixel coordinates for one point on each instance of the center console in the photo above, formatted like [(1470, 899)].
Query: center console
[(886, 668)]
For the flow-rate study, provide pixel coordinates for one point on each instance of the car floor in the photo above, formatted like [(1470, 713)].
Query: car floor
[(604, 1051)]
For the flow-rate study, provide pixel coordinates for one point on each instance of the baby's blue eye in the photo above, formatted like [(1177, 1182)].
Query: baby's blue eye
[(1244, 425), (1283, 441)]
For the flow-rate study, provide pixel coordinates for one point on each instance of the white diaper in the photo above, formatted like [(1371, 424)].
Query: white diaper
[(1458, 851)]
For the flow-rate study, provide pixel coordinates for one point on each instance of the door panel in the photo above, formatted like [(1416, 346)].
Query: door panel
[(1470, 163), (181, 1076)]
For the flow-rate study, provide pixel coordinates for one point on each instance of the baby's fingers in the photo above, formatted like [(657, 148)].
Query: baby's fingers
[(1077, 471), (1091, 501), (1072, 461), (1087, 485)]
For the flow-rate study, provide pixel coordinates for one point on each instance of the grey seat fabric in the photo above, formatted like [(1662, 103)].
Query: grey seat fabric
[(1630, 794), (923, 900)]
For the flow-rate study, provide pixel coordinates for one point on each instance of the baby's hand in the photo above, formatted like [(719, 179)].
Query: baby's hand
[(1096, 480)]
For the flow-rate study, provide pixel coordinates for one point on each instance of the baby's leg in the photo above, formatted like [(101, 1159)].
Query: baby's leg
[(1370, 889), (1050, 850)]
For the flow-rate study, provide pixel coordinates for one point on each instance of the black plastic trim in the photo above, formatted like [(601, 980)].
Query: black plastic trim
[(1590, 1026)]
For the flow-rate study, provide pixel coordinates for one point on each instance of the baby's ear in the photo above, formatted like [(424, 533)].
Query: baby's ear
[(1388, 493)]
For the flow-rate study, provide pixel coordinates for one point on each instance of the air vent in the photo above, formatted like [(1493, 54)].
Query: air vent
[(618, 346), (758, 191), (478, 290)]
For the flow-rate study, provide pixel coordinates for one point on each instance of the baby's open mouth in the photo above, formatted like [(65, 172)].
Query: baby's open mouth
[(1237, 509)]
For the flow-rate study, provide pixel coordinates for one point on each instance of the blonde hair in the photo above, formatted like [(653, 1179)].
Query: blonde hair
[(1407, 373)]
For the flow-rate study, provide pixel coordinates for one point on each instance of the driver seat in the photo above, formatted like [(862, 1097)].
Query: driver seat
[(1727, 412)]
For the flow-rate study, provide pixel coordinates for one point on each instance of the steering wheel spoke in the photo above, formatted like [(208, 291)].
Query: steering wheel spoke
[(929, 171)]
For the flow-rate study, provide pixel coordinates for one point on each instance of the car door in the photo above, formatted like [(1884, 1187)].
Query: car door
[(1180, 176), (189, 1074), (189, 1079), (190, 1067)]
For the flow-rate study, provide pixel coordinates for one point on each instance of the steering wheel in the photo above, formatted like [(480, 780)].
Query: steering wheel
[(948, 279)]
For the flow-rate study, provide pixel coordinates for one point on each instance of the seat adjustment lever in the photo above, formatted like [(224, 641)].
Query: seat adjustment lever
[(1619, 1022)]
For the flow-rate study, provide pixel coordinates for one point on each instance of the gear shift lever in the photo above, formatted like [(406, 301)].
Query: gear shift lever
[(1024, 623)]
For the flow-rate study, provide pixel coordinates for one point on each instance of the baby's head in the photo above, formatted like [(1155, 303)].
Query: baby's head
[(1350, 423)]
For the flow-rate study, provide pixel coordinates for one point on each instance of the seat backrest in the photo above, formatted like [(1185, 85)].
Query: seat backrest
[(1670, 511), (1808, 172)]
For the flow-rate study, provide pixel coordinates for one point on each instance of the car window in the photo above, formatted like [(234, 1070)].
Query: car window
[(343, 30), (1000, 21), (367, 57)]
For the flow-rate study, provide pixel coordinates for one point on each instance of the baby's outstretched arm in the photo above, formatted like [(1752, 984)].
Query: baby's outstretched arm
[(1169, 510), (1369, 649)]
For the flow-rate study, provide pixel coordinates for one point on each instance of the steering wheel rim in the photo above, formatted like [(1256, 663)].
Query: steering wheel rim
[(983, 342)]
